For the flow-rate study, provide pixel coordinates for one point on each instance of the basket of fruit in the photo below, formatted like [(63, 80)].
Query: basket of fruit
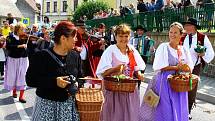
[(183, 82), (120, 83)]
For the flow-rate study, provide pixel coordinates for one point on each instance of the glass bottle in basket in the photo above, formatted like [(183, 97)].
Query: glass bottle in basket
[(183, 65), (181, 61)]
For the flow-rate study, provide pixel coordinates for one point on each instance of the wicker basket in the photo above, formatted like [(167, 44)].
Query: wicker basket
[(180, 85), (89, 103), (120, 85)]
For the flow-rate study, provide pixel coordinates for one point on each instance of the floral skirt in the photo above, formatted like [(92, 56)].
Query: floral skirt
[(48, 110)]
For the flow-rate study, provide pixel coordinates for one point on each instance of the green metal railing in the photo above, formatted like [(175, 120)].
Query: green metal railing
[(160, 20)]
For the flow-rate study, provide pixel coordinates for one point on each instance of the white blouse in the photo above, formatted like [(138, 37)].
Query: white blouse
[(209, 54), (112, 57), (161, 56)]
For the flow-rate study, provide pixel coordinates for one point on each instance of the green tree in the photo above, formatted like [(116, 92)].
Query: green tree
[(89, 8)]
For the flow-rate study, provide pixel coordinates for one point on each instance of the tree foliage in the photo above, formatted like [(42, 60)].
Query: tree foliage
[(89, 8)]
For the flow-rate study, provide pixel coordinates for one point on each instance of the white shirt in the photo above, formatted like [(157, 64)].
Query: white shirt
[(99, 35), (161, 56), (133, 41), (107, 62), (209, 54), (83, 53), (112, 38)]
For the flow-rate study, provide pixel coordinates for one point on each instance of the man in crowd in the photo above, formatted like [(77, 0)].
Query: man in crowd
[(190, 41), (143, 43), (10, 19), (81, 46), (35, 31), (101, 31), (111, 36), (159, 4), (141, 6), (5, 29)]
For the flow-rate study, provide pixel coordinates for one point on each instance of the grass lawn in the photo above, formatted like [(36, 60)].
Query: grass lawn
[(212, 31)]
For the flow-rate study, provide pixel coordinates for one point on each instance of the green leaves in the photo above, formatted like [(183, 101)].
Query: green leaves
[(89, 8), (200, 49)]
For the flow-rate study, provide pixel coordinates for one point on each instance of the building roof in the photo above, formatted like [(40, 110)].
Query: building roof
[(32, 3), (7, 6)]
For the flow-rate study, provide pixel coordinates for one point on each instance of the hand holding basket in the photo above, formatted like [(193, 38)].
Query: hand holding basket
[(183, 82), (120, 83)]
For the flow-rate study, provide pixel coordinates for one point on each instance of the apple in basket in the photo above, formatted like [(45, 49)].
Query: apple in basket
[(183, 77), (121, 76)]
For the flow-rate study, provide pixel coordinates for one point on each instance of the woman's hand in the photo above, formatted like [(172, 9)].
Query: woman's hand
[(140, 76), (201, 54), (79, 49), (119, 69), (115, 70), (61, 81), (22, 46), (183, 67)]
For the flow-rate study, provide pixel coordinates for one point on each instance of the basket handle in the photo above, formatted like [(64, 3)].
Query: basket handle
[(190, 77)]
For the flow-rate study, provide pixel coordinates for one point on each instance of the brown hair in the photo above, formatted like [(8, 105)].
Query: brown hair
[(17, 27), (122, 29), (65, 28)]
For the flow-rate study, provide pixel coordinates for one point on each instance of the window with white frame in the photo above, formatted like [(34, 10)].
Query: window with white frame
[(55, 6), (48, 7), (75, 4), (65, 6)]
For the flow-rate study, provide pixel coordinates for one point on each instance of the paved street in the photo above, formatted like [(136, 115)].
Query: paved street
[(203, 112), (11, 109)]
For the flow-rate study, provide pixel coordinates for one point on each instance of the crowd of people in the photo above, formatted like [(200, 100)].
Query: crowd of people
[(52, 61), (170, 9), (149, 7)]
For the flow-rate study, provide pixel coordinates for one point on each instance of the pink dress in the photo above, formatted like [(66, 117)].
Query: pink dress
[(119, 106)]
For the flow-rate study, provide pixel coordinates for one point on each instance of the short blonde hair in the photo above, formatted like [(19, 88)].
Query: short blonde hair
[(122, 29), (179, 26)]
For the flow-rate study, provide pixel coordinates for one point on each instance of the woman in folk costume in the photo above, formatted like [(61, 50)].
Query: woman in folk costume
[(172, 105), (121, 106), (48, 73), (17, 62)]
